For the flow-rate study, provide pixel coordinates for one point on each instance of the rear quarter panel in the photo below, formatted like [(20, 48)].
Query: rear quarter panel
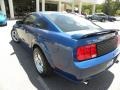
[(59, 47)]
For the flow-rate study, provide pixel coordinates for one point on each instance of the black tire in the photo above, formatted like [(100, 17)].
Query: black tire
[(13, 38), (47, 70), (90, 19), (6, 24), (112, 20), (102, 20)]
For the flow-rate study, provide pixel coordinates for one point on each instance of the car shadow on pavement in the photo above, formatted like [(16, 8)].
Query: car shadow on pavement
[(55, 82)]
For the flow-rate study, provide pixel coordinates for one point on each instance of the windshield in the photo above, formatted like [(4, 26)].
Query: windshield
[(69, 22)]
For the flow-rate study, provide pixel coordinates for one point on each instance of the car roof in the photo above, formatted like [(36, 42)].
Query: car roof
[(99, 13), (48, 12)]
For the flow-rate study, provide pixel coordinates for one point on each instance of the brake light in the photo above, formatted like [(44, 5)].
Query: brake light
[(86, 52)]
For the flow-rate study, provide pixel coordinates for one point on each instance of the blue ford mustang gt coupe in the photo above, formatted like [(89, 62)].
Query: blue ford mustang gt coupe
[(67, 44), (3, 19)]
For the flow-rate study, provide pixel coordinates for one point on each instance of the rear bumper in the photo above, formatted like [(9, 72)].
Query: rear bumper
[(94, 66), (89, 68), (3, 23), (83, 74), (99, 60)]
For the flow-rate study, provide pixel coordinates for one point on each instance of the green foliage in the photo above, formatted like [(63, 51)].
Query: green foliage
[(111, 7), (87, 9), (99, 8), (117, 12)]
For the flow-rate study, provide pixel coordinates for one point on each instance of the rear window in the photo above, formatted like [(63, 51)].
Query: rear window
[(69, 22)]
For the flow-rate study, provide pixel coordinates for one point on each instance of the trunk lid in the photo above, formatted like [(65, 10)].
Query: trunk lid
[(105, 40), (81, 34)]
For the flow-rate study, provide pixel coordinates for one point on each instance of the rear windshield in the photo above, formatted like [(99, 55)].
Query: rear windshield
[(69, 22)]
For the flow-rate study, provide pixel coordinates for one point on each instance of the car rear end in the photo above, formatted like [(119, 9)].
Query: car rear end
[(94, 53), (111, 18), (91, 48)]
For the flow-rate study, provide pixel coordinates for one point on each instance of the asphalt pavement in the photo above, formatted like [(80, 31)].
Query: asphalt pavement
[(17, 71)]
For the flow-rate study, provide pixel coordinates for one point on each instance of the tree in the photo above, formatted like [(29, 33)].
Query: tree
[(111, 7), (87, 9), (99, 8)]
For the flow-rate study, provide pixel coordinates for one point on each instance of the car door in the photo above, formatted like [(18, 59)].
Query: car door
[(20, 31), (32, 30), (105, 16), (94, 17), (28, 27), (101, 16)]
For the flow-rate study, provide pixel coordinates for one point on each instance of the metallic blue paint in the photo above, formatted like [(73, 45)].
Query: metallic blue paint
[(60, 48), (98, 60)]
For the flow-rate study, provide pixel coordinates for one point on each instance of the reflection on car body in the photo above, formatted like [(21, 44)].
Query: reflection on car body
[(67, 44)]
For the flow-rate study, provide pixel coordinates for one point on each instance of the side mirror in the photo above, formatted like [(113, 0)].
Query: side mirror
[(19, 22)]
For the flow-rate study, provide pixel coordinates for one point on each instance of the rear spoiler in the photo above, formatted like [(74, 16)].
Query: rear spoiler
[(105, 31)]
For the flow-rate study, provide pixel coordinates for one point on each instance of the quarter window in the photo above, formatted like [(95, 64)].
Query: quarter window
[(41, 24), (30, 19), (35, 21)]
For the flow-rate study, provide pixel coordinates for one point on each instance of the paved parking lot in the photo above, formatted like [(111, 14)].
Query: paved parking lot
[(17, 71)]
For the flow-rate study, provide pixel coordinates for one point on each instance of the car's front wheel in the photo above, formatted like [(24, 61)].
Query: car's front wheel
[(41, 62), (15, 36)]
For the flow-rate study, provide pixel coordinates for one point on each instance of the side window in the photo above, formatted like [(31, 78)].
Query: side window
[(41, 24), (30, 20), (101, 15), (95, 15)]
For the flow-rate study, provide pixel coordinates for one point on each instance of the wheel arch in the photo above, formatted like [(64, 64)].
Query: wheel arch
[(46, 54)]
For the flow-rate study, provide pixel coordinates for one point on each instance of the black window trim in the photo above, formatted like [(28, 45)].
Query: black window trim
[(40, 18), (34, 23)]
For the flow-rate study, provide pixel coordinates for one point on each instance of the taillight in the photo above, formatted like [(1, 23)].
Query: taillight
[(86, 52)]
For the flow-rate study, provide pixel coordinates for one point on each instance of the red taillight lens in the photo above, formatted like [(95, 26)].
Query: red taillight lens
[(86, 52), (93, 51)]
